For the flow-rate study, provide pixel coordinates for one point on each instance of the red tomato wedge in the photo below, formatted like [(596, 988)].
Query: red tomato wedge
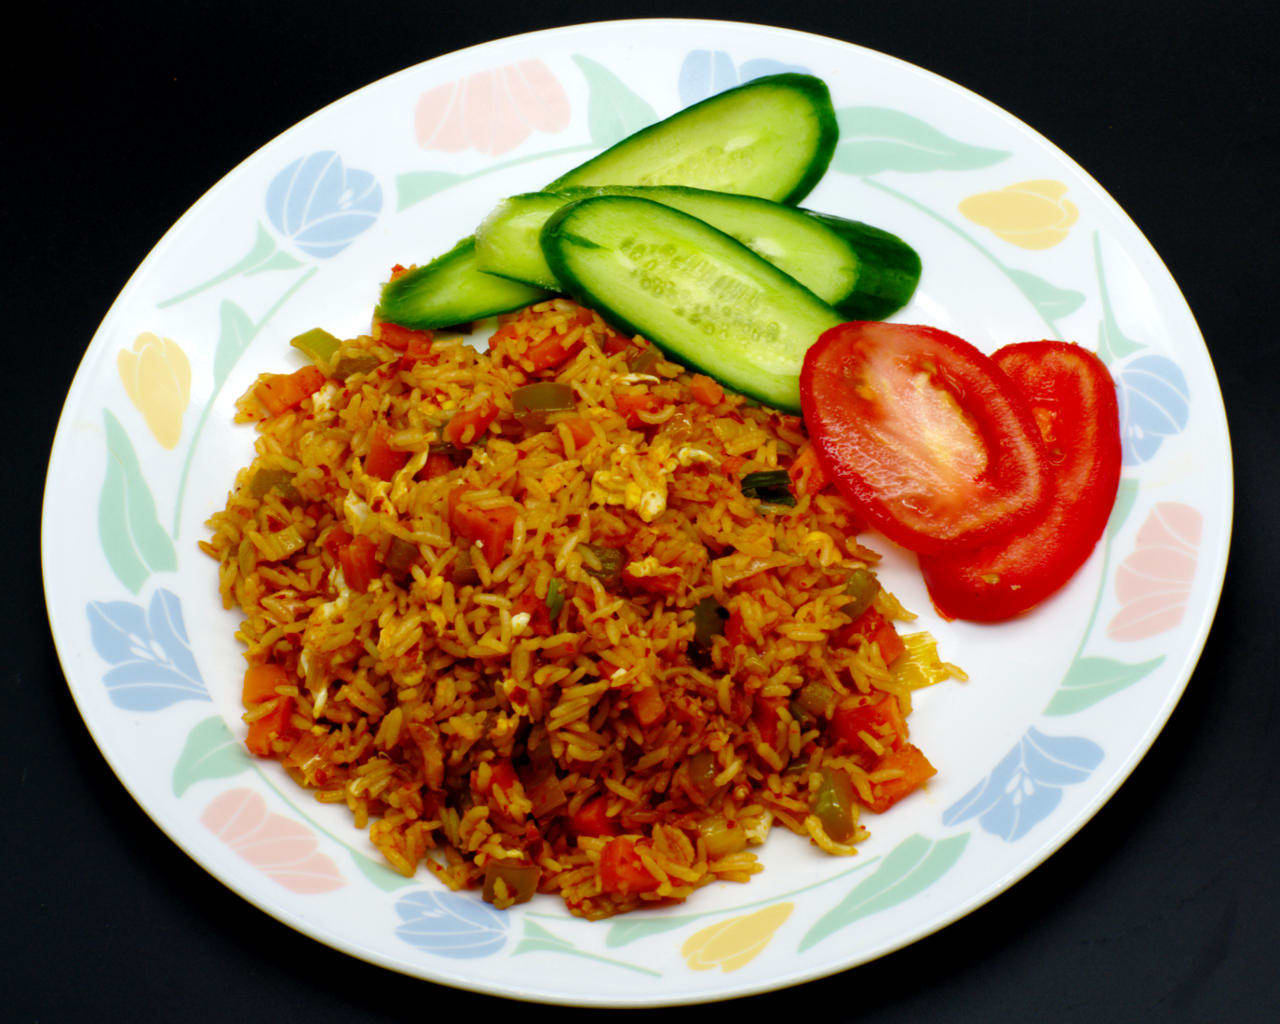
[(1074, 401), (924, 434)]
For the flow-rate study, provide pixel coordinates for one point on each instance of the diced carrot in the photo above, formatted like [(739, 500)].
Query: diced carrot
[(705, 390), (622, 871), (663, 584), (402, 338), (591, 820), (398, 271), (469, 424), (579, 429), (648, 706), (536, 608), (438, 464), (275, 724), (882, 721), (552, 350), (872, 626), (915, 768), (489, 528), (765, 716), (807, 474), (335, 542), (614, 343), (280, 392), (734, 629), (502, 773), (383, 461), (632, 403), (260, 682), (360, 563)]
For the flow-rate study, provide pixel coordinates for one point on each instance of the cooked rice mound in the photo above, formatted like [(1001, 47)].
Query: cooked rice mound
[(558, 649)]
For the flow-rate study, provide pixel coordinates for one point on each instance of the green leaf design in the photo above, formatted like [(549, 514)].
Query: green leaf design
[(1051, 302), (416, 186), (133, 541), (276, 261), (1089, 680), (259, 254), (1126, 495), (379, 874), (234, 335), (113, 530), (613, 110), (1112, 343), (631, 930), (537, 939), (211, 752), (909, 868), (874, 139)]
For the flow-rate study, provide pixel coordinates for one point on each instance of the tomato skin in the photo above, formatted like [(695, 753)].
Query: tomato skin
[(1074, 400), (924, 434)]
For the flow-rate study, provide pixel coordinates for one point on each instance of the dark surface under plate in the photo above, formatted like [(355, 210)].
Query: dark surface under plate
[(1165, 906)]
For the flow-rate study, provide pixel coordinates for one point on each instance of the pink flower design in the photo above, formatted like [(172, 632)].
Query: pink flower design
[(1154, 582), (492, 111), (278, 846)]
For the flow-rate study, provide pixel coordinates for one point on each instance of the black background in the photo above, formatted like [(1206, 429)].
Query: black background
[(1163, 907)]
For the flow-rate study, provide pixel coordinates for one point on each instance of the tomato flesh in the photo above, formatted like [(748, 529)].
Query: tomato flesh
[(924, 434), (1073, 399)]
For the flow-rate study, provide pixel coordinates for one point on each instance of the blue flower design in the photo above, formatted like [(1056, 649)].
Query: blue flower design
[(707, 72), (322, 206), (1027, 785), (1155, 403), (152, 659), (450, 924)]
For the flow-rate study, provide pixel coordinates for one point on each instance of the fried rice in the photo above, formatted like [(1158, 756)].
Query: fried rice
[(593, 643)]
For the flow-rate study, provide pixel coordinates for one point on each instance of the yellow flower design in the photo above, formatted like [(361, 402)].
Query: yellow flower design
[(1030, 214), (157, 378), (736, 942)]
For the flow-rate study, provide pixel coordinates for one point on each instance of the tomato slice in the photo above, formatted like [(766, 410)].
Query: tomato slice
[(1073, 399), (924, 434)]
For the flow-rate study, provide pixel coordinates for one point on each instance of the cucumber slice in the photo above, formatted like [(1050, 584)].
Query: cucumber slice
[(690, 288), (888, 269), (865, 273), (771, 137), (450, 290)]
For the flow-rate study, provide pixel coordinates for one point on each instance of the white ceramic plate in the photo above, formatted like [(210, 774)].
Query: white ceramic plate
[(1017, 242)]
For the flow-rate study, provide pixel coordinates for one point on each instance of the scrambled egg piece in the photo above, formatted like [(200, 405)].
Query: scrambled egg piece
[(637, 482)]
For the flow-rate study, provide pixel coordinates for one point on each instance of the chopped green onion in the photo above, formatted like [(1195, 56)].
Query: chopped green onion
[(862, 588), (644, 360), (317, 344), (815, 698), (463, 572), (771, 486), (402, 556), (833, 804), (349, 366), (533, 402), (703, 771), (708, 622), (604, 563), (520, 880), (280, 480), (555, 599)]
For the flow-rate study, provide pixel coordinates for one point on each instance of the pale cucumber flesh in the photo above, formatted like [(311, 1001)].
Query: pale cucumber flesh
[(698, 293)]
